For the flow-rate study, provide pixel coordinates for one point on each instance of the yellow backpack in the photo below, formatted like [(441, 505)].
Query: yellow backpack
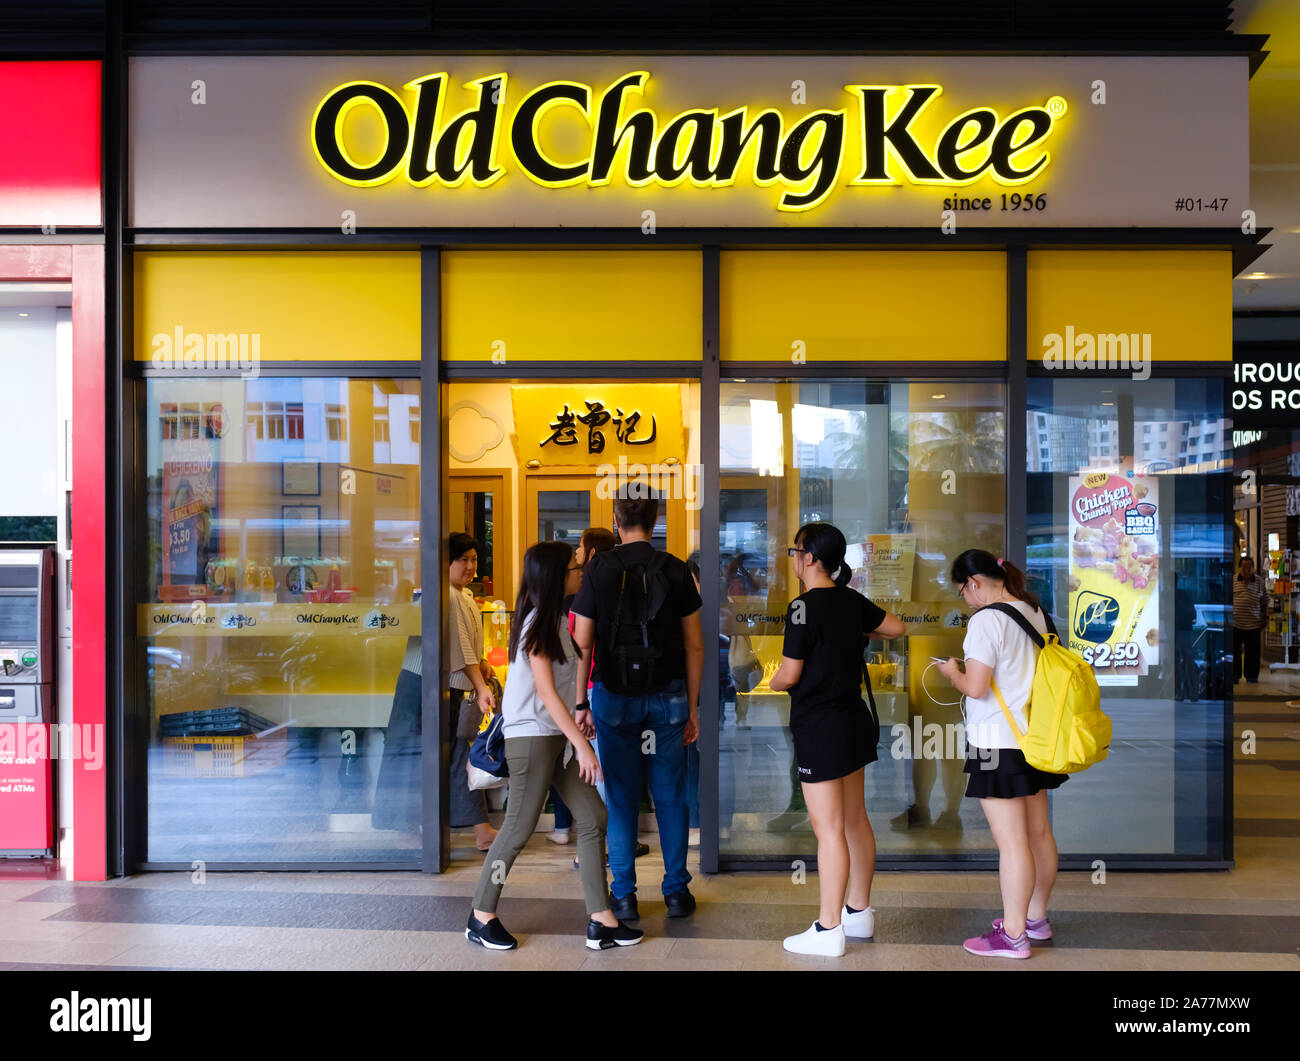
[(1068, 731)]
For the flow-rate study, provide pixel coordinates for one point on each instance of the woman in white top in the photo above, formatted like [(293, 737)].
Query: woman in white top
[(1012, 793), (544, 747)]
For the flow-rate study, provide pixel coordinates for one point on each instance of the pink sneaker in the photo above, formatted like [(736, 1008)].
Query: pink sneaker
[(997, 944), (1036, 929)]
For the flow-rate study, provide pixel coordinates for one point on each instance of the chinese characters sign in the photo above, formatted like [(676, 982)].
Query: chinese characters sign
[(625, 426), (579, 424)]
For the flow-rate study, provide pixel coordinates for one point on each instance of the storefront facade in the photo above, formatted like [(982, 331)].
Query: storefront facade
[(376, 299)]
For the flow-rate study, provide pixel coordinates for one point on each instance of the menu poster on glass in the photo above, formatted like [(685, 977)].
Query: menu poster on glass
[(191, 468), (1114, 562), (883, 566)]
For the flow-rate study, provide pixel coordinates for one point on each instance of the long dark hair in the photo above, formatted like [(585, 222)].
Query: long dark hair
[(978, 562), (546, 565), (826, 543)]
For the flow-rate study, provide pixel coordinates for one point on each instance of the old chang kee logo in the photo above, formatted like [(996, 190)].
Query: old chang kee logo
[(704, 147)]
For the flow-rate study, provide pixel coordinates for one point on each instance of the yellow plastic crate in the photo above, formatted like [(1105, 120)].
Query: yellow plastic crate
[(202, 756)]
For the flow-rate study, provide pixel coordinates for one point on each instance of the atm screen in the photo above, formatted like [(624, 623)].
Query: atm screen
[(18, 619)]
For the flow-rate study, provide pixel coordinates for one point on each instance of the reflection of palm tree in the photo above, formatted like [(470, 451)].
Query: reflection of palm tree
[(960, 441), (968, 441)]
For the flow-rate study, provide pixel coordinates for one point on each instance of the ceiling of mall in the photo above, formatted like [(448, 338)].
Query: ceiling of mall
[(1273, 281)]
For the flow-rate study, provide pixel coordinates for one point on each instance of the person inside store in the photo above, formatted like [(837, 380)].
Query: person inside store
[(646, 678), (835, 733), (545, 748), (1249, 617), (1012, 793), (469, 674)]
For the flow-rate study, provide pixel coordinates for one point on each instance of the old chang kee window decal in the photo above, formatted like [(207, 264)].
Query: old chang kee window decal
[(637, 147)]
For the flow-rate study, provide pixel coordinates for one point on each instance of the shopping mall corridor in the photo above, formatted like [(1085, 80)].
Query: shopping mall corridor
[(1248, 918)]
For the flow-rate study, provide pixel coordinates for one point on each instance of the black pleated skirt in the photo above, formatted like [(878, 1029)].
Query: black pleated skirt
[(1006, 776)]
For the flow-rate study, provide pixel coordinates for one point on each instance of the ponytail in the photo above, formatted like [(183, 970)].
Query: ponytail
[(826, 543), (979, 562)]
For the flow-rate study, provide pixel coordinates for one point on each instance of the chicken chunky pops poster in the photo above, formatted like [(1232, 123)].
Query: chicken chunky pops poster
[(1114, 568)]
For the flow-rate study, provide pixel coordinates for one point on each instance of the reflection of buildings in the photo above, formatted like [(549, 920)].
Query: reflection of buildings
[(294, 419), (288, 469), (1067, 443)]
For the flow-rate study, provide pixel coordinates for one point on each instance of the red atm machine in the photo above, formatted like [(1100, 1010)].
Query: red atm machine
[(27, 651)]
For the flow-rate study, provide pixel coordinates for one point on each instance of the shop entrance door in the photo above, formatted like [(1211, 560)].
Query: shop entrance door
[(560, 506)]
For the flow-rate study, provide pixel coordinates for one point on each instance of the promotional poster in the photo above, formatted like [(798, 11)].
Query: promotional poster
[(1114, 564)]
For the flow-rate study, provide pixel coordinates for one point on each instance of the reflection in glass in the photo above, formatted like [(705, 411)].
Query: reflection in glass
[(282, 570), (912, 473), (562, 515), (1166, 581)]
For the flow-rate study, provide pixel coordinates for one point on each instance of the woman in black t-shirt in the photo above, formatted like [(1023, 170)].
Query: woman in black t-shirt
[(835, 733)]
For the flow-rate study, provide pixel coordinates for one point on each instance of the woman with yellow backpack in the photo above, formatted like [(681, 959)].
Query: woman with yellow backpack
[(997, 682)]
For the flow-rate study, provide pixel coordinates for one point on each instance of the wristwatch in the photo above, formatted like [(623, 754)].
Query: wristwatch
[(584, 706)]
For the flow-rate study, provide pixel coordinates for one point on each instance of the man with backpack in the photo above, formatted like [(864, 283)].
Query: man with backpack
[(639, 608)]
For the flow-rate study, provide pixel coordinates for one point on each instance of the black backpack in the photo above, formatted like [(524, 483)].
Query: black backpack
[(640, 628)]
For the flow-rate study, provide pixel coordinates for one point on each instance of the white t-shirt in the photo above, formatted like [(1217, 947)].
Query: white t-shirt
[(997, 641), (523, 712)]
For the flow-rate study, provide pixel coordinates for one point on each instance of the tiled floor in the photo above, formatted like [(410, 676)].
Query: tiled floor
[(1248, 918)]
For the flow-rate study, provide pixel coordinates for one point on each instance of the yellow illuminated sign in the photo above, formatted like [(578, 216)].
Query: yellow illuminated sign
[(630, 145)]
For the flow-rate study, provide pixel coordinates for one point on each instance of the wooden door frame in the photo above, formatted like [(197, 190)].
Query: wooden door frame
[(501, 482)]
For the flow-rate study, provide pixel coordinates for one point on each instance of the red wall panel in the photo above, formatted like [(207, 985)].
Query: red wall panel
[(50, 162)]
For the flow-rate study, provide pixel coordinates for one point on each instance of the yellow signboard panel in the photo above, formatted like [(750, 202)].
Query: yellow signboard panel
[(819, 307), (197, 310), (606, 307), (1128, 308)]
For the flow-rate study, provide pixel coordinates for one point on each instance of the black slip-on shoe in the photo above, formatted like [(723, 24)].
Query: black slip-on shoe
[(492, 935), (624, 909), (680, 903), (602, 937)]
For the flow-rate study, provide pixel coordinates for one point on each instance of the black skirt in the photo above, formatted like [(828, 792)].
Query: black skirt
[(833, 742), (1006, 776)]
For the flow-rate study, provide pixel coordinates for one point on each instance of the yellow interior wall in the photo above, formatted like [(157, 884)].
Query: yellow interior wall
[(494, 397), (863, 306), (1182, 299)]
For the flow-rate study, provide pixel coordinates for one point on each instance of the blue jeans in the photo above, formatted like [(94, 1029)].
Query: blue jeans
[(622, 724), (693, 782)]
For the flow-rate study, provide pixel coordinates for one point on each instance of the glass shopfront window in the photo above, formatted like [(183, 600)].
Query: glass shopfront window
[(912, 473), (1129, 541), (280, 606)]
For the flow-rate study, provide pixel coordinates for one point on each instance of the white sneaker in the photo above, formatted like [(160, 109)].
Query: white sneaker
[(559, 836), (829, 943), (861, 925)]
